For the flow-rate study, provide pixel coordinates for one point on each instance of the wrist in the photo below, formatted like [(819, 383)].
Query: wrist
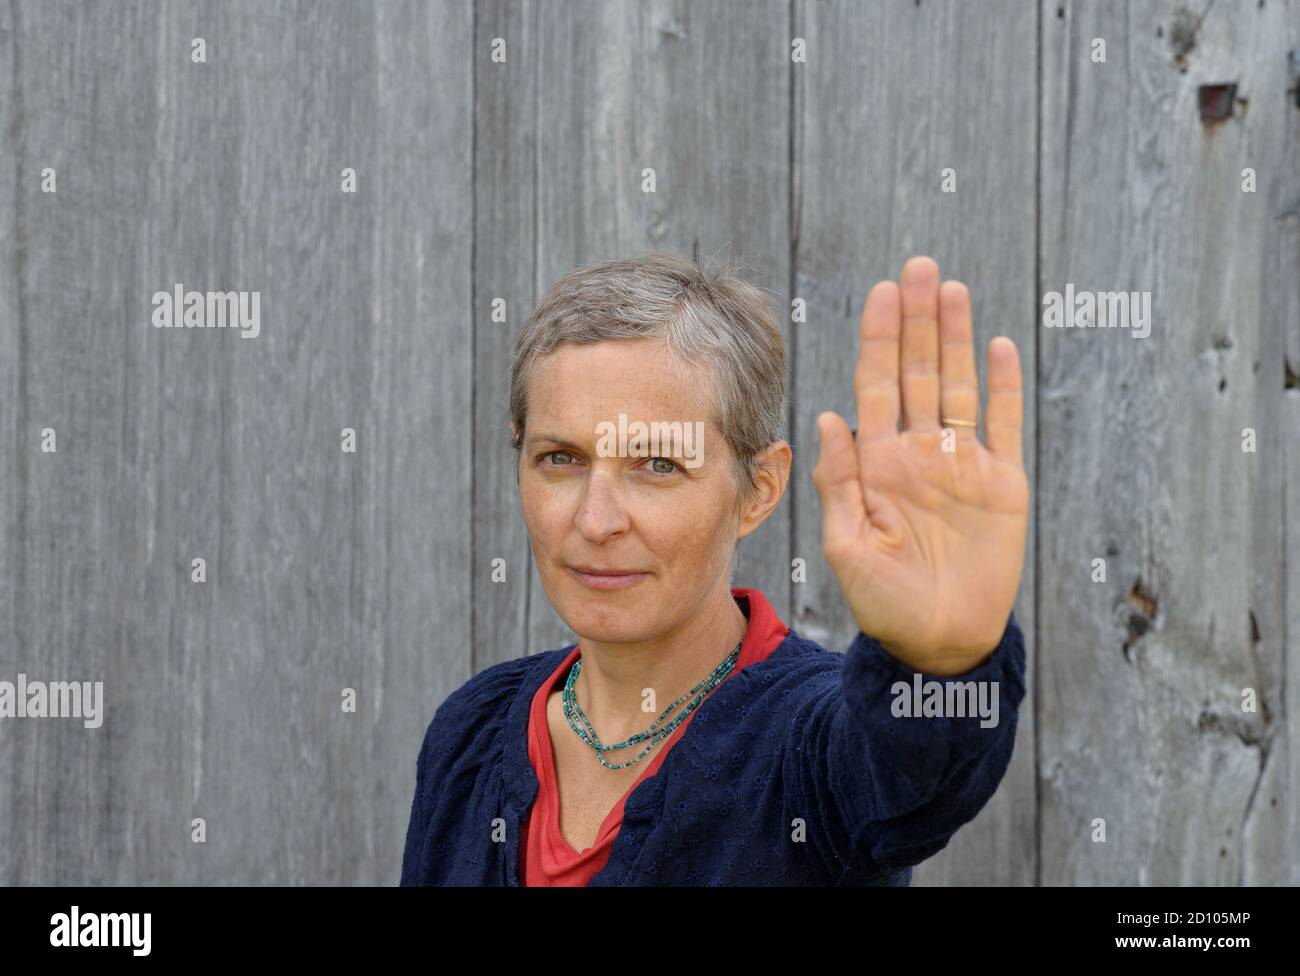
[(934, 661)]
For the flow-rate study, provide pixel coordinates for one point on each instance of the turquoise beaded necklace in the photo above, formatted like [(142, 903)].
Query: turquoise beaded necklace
[(656, 735)]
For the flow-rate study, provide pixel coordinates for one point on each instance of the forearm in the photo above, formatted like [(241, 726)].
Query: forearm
[(896, 762)]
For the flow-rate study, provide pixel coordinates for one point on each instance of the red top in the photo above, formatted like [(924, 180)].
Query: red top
[(547, 858)]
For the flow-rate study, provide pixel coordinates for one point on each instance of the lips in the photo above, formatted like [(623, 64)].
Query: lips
[(596, 578)]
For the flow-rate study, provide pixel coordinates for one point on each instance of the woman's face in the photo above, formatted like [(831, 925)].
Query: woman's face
[(590, 505)]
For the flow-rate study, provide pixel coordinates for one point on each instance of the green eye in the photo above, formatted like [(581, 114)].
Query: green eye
[(671, 466), (554, 454)]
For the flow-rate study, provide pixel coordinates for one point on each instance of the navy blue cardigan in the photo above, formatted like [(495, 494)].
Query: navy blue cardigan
[(794, 771)]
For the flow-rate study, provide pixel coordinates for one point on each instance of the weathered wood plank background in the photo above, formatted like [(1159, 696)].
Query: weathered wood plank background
[(1140, 451), (481, 182)]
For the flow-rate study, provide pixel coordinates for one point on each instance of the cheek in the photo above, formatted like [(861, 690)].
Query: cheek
[(548, 509), (696, 532), (532, 502)]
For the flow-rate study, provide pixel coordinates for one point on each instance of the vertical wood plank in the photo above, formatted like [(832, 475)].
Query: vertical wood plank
[(505, 231), (1271, 822), (325, 570), (1142, 678), (1270, 850)]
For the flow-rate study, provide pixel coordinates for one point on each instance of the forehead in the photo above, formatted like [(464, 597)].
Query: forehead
[(577, 386)]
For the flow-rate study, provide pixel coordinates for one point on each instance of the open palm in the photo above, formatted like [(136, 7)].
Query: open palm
[(924, 527)]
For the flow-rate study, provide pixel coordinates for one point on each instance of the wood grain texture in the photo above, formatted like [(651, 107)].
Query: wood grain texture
[(325, 570), (1141, 450), (505, 236), (1271, 834)]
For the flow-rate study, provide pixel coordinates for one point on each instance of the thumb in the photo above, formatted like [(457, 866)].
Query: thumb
[(837, 482)]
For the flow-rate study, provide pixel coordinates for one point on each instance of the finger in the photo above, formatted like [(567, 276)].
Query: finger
[(836, 479), (1004, 419), (959, 385), (919, 360), (876, 378)]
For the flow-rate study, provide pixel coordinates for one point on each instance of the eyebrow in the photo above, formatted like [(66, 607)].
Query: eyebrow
[(550, 439)]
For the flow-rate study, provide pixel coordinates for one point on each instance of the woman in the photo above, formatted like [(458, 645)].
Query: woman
[(691, 737)]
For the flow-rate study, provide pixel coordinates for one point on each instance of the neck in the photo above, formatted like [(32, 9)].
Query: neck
[(613, 680)]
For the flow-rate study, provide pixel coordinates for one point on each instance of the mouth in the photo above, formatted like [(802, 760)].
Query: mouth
[(606, 579)]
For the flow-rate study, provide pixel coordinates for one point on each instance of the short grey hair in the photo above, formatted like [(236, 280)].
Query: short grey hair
[(712, 320)]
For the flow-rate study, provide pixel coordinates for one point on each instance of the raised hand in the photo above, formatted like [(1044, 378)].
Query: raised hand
[(927, 544)]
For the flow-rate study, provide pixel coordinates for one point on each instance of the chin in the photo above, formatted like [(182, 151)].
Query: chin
[(618, 616)]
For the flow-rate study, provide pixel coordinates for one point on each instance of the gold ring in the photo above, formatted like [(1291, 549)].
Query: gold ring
[(950, 422)]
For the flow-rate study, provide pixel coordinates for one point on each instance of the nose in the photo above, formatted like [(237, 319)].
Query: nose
[(601, 512)]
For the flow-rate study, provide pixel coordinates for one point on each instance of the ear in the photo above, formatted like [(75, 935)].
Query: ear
[(773, 475)]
